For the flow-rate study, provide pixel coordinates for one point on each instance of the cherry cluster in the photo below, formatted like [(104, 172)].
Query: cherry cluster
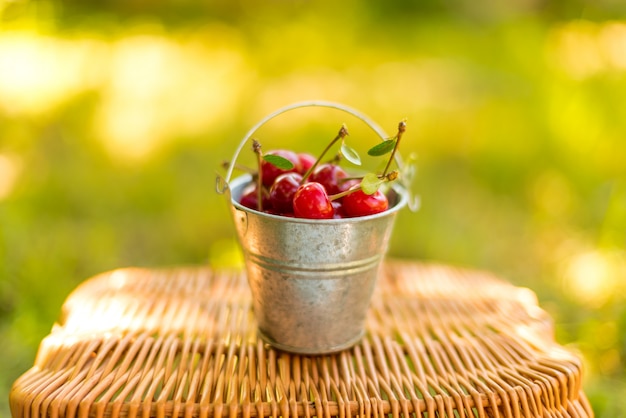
[(327, 192), (297, 184)]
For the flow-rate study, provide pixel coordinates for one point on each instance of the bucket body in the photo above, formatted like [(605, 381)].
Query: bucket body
[(312, 280)]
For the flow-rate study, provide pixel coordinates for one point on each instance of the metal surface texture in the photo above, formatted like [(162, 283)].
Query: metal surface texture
[(311, 280)]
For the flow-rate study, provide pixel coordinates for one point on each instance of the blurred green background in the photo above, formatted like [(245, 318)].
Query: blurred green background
[(116, 115)]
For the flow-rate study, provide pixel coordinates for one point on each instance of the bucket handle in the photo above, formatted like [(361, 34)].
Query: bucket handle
[(222, 184)]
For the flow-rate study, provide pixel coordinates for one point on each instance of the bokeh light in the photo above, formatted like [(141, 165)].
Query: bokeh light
[(161, 88), (585, 49), (38, 72), (593, 278), (10, 168)]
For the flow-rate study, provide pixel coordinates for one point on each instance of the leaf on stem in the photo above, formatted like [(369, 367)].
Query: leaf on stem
[(278, 161), (383, 148), (371, 183), (350, 154)]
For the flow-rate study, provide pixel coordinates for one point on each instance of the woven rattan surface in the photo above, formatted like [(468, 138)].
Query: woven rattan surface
[(181, 342)]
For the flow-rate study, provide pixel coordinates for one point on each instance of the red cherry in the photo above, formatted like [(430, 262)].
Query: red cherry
[(283, 190), (249, 198), (329, 176), (269, 171), (360, 204), (348, 184), (306, 162), (339, 212), (311, 201)]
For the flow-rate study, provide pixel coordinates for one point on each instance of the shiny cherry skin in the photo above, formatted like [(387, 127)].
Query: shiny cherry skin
[(269, 172), (249, 198), (339, 212), (330, 176), (311, 201), (306, 162), (348, 184), (361, 204), (283, 191)]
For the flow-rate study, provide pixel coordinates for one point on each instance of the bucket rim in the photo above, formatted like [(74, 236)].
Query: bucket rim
[(245, 179)]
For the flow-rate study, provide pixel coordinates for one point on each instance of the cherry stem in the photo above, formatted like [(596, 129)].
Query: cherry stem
[(339, 195), (392, 176), (343, 132), (343, 180), (256, 147), (336, 159), (401, 130)]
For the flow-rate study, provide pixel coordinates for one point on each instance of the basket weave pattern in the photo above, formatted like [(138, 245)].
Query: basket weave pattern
[(181, 342)]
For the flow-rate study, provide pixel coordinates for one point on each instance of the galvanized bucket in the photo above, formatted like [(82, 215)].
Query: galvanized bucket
[(311, 280)]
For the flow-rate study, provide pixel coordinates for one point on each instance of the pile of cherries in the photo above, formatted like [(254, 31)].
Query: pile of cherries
[(327, 192), (294, 184)]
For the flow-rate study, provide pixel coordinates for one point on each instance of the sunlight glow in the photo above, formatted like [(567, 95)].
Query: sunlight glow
[(594, 277), (160, 88), (38, 73), (10, 168), (413, 85), (151, 88), (584, 49), (83, 318)]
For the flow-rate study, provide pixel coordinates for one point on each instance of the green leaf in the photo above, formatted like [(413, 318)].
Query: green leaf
[(383, 148), (278, 161), (370, 183), (350, 154)]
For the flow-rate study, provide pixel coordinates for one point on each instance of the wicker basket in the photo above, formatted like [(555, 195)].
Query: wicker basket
[(182, 342)]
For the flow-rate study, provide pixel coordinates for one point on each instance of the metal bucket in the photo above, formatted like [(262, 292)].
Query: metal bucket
[(311, 280)]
